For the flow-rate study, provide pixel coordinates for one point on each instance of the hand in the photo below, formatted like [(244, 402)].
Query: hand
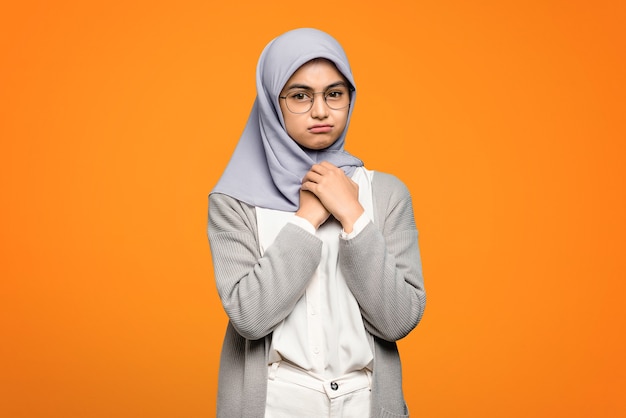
[(312, 209), (336, 191)]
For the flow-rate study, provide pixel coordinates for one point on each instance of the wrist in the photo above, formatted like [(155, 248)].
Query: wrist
[(348, 220), (312, 218)]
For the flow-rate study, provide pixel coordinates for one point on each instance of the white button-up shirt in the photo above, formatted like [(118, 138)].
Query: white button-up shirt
[(324, 334)]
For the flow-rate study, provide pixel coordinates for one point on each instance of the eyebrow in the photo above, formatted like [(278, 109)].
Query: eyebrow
[(305, 87)]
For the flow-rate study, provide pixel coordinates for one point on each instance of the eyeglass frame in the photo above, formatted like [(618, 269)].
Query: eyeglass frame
[(350, 90)]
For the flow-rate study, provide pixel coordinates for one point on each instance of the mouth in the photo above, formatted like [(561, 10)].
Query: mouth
[(320, 129)]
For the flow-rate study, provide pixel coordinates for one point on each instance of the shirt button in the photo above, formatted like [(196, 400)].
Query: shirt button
[(334, 385)]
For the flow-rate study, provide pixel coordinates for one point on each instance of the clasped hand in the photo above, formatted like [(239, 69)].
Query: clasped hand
[(325, 191)]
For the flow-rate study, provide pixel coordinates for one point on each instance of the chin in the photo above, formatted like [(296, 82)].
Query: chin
[(317, 145)]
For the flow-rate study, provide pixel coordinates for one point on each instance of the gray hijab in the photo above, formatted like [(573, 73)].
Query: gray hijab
[(267, 166)]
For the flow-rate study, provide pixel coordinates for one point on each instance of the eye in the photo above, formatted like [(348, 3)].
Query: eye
[(299, 96), (335, 94)]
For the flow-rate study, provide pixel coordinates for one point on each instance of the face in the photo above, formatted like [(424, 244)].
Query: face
[(321, 126)]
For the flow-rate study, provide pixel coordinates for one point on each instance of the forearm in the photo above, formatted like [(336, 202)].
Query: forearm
[(385, 277), (258, 292)]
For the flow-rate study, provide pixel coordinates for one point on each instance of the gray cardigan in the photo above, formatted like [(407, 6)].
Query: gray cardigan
[(381, 266)]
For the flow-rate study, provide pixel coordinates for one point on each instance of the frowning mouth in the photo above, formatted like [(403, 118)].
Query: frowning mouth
[(320, 129)]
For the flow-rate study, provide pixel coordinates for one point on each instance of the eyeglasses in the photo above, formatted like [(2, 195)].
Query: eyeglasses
[(301, 101)]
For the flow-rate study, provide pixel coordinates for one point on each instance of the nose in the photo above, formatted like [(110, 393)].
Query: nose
[(319, 109)]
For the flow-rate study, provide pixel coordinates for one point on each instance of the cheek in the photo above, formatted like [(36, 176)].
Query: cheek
[(288, 126), (294, 124), (284, 116), (343, 121)]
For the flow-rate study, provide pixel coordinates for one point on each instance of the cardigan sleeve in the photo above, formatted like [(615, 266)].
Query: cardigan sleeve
[(382, 264), (257, 292)]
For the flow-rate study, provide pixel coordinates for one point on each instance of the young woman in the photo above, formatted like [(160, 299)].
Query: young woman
[(316, 258)]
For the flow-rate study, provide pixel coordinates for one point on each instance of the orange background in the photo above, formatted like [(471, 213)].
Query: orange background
[(504, 118)]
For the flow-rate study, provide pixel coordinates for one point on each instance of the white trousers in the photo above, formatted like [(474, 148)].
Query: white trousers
[(291, 392)]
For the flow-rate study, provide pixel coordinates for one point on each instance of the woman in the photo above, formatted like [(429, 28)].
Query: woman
[(316, 258)]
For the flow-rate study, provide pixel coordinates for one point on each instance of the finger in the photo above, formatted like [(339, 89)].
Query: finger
[(309, 186), (326, 168), (321, 168), (312, 176)]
